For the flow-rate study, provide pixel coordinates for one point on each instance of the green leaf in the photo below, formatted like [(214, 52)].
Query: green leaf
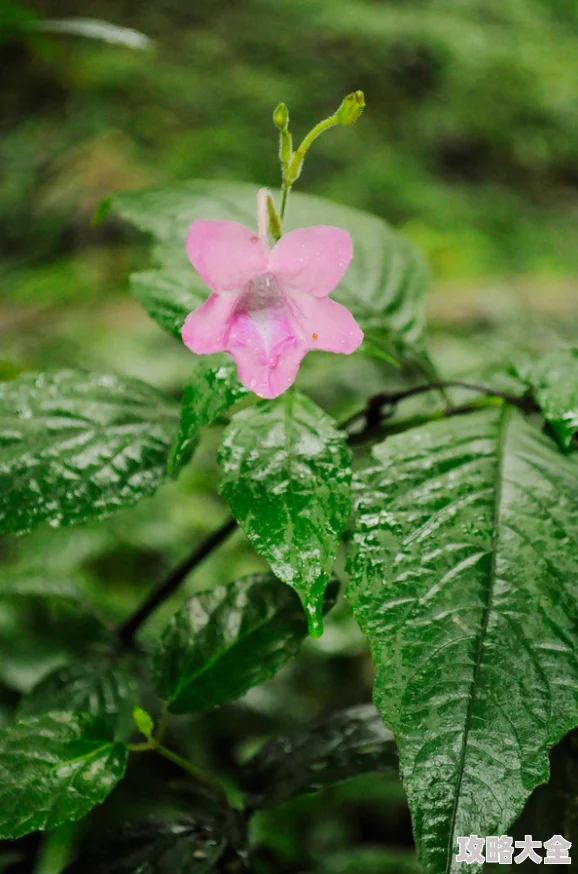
[(464, 580), (95, 685), (143, 721), (93, 28), (554, 383), (225, 641), (54, 769), (287, 477), (154, 846), (345, 745), (75, 446), (370, 860), (168, 296), (212, 389), (384, 286)]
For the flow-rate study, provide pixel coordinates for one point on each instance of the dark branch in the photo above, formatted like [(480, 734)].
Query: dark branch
[(168, 587)]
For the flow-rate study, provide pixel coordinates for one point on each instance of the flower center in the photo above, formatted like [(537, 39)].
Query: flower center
[(262, 296)]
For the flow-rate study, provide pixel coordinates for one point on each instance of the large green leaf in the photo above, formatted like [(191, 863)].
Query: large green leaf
[(212, 389), (96, 685), (554, 382), (76, 445), (225, 641), (155, 846), (465, 581), (287, 477), (54, 769), (384, 286), (342, 746)]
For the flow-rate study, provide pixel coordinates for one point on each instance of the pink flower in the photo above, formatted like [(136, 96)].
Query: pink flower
[(269, 308)]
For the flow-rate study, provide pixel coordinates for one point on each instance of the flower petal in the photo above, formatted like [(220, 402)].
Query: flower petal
[(326, 324), (269, 380), (311, 260), (226, 255), (207, 328)]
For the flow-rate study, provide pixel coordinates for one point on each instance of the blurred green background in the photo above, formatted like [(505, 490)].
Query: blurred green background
[(469, 144)]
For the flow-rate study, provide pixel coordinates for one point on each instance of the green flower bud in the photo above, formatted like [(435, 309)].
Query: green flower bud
[(351, 108), (281, 117)]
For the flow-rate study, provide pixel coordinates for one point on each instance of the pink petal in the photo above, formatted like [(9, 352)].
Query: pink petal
[(312, 260), (226, 255), (327, 325), (268, 380), (207, 328)]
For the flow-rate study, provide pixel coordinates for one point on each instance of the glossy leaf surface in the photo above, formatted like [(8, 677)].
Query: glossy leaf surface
[(75, 446), (554, 383), (346, 744), (464, 580), (54, 769), (211, 390), (225, 641), (287, 477), (384, 286)]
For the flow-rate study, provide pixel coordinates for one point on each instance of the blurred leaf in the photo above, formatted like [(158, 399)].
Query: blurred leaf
[(155, 846), (54, 769), (212, 389), (286, 474), (143, 721), (41, 628), (370, 860), (345, 745), (384, 286), (95, 685), (168, 296), (464, 581), (554, 382), (225, 641), (76, 445), (93, 28)]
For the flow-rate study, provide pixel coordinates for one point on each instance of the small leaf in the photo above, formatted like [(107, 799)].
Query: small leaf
[(143, 721), (286, 474), (212, 389), (554, 382), (464, 580), (93, 28), (345, 745), (75, 446), (54, 769), (384, 287), (225, 641), (155, 846), (95, 685)]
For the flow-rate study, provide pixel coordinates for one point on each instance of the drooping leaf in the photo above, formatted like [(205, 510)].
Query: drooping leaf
[(212, 389), (287, 477), (464, 580), (93, 28), (156, 846), (384, 286), (96, 685), (348, 743), (225, 641), (554, 383), (75, 446), (54, 769)]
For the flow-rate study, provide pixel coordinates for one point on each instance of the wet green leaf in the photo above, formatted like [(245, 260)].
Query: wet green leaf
[(54, 769), (75, 446), (168, 296), (287, 477), (225, 641), (155, 846), (554, 383), (384, 286), (346, 744), (464, 580), (212, 389)]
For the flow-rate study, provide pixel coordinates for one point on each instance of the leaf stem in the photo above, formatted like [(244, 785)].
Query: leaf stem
[(169, 586), (189, 767)]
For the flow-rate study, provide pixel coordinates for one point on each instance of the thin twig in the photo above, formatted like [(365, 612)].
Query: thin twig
[(169, 586)]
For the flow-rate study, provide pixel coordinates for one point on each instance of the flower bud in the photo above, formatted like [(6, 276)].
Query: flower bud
[(281, 117), (351, 108)]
